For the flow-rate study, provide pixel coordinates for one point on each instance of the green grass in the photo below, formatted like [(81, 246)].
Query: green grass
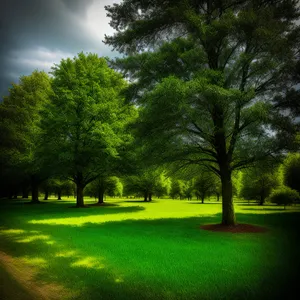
[(137, 250)]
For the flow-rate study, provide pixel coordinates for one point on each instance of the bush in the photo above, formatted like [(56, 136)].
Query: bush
[(291, 171), (284, 196)]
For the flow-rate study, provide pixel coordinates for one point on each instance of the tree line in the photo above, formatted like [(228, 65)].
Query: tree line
[(210, 85)]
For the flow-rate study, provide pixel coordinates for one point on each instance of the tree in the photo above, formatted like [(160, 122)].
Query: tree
[(257, 183), (291, 171), (102, 185), (20, 131), (206, 92), (204, 184), (147, 182), (84, 125), (178, 189), (284, 196)]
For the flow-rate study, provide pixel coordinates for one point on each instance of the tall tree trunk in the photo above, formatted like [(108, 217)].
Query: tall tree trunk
[(228, 215), (59, 195), (218, 197), (79, 195), (100, 195), (46, 194), (79, 190), (150, 197), (202, 199), (25, 193), (34, 189), (262, 198), (145, 196)]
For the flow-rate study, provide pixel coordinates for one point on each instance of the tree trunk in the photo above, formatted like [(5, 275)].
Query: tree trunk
[(79, 195), (34, 189), (46, 195), (228, 215), (79, 190), (202, 199), (145, 196), (218, 197), (262, 198), (25, 193), (59, 195), (150, 197), (100, 195)]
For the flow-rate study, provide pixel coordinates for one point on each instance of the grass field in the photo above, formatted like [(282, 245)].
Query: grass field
[(136, 250)]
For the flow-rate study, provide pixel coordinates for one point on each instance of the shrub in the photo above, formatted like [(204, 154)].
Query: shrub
[(284, 196), (291, 171)]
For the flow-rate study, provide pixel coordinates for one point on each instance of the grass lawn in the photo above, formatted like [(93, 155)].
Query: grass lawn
[(136, 250)]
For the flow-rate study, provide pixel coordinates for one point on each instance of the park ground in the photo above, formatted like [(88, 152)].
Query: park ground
[(135, 250)]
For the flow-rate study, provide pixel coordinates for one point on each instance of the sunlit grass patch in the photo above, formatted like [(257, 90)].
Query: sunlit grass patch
[(88, 262), (34, 261), (154, 250), (11, 231), (32, 238)]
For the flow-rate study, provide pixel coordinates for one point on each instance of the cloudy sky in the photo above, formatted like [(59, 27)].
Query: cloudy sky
[(35, 34)]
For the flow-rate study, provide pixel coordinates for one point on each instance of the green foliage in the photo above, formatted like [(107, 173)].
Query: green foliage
[(258, 182), (205, 184), (149, 181), (291, 171), (207, 96), (84, 125), (284, 196), (20, 136), (178, 189)]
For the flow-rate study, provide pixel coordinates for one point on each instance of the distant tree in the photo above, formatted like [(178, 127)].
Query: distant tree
[(178, 189), (291, 171), (258, 182), (102, 185), (204, 184), (206, 90), (284, 196), (84, 125), (20, 136), (148, 182)]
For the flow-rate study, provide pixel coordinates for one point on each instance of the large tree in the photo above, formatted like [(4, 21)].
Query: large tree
[(84, 125), (20, 131), (204, 73)]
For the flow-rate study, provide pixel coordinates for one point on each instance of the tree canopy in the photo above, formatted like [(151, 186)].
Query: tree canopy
[(205, 74), (84, 125)]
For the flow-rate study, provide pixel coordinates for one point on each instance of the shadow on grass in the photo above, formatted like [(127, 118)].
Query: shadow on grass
[(266, 209), (140, 201), (129, 249), (190, 202)]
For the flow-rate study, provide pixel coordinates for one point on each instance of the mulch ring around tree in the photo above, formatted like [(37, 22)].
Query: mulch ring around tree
[(238, 228)]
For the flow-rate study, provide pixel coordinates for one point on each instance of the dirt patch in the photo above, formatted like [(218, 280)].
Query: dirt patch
[(238, 228), (25, 276)]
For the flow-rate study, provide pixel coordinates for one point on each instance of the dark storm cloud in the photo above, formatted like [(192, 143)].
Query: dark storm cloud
[(36, 33)]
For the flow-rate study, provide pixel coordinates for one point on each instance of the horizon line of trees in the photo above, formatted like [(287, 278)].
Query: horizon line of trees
[(210, 85)]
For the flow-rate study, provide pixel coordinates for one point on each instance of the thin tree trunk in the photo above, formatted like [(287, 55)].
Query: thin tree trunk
[(145, 196), (202, 199), (150, 197), (100, 195), (79, 190), (59, 195), (218, 197), (34, 190), (25, 193), (46, 195), (79, 195), (228, 215)]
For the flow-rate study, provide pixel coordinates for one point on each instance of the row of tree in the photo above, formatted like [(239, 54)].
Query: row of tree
[(210, 85)]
